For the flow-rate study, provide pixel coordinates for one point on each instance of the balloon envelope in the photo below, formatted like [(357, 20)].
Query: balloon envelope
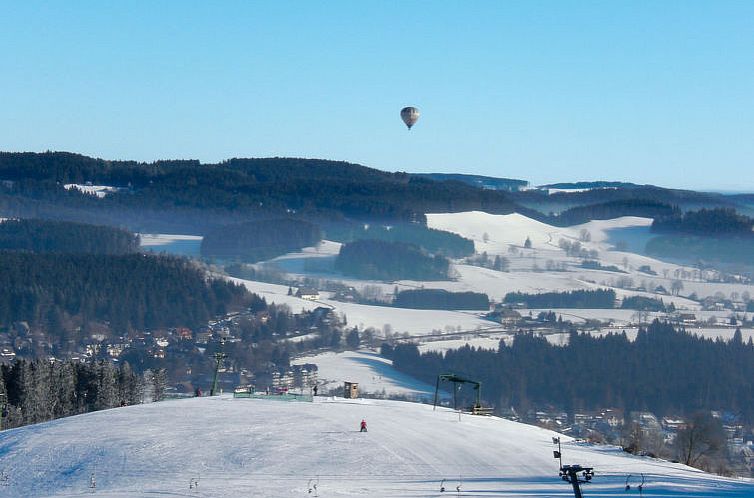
[(410, 115)]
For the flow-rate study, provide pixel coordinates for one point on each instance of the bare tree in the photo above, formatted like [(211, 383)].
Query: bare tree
[(676, 287), (624, 282), (641, 316), (702, 441)]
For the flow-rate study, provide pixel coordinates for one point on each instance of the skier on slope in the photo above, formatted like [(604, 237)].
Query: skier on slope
[(363, 426)]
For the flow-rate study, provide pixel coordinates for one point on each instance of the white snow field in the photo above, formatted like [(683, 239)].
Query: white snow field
[(496, 234), (224, 447), (414, 322), (374, 373), (440, 330)]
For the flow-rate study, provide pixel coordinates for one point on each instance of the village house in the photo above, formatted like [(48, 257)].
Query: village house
[(307, 293)]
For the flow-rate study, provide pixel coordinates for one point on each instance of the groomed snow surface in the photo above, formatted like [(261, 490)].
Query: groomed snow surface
[(268, 448), (374, 373)]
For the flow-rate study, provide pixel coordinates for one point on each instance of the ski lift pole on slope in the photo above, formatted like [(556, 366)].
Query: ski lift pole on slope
[(219, 357), (640, 487), (570, 474), (558, 453)]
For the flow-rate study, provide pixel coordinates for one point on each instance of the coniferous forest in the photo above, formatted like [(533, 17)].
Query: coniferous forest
[(431, 240), (65, 237), (189, 190), (718, 222), (40, 390), (383, 260), (598, 298), (440, 299), (613, 209), (257, 240), (720, 234), (134, 291), (665, 370)]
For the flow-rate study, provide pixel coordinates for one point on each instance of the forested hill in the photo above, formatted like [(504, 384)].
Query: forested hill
[(666, 371), (614, 209), (706, 222), (258, 240), (486, 182), (271, 185), (683, 199), (61, 292), (65, 237), (719, 234), (192, 197)]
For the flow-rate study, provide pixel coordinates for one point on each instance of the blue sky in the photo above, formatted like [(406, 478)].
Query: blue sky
[(655, 92)]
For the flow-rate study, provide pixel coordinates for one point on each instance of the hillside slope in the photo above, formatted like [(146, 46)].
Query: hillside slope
[(241, 447)]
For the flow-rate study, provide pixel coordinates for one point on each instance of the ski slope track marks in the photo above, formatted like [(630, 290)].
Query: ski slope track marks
[(225, 447)]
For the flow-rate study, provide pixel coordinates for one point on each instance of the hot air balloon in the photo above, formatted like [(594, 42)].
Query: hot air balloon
[(410, 115)]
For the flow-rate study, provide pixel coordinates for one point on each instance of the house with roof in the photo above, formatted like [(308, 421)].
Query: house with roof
[(307, 293)]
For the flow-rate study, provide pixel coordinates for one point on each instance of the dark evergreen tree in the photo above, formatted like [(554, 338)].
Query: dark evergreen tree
[(352, 339), (158, 380)]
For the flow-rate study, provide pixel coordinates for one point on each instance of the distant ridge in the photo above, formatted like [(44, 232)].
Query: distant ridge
[(485, 182), (595, 184)]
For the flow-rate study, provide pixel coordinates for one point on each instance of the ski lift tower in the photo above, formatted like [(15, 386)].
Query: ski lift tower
[(219, 357), (457, 380), (570, 473)]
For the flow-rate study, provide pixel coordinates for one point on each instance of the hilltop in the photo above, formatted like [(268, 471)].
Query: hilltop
[(242, 447)]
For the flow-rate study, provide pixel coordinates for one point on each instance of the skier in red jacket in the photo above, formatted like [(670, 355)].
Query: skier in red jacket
[(363, 425)]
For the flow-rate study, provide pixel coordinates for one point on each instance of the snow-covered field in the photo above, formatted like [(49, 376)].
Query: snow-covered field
[(223, 447), (397, 320), (497, 234), (277, 294), (437, 330), (374, 374)]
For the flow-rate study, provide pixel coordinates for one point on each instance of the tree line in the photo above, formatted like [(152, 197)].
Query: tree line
[(665, 370), (60, 292), (717, 222), (271, 185), (259, 240), (540, 200), (644, 303), (440, 299), (598, 298), (65, 237), (41, 390), (645, 208), (383, 260), (431, 240)]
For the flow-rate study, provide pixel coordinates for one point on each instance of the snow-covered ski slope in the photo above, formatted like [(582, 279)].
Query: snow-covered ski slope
[(374, 373), (266, 448)]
